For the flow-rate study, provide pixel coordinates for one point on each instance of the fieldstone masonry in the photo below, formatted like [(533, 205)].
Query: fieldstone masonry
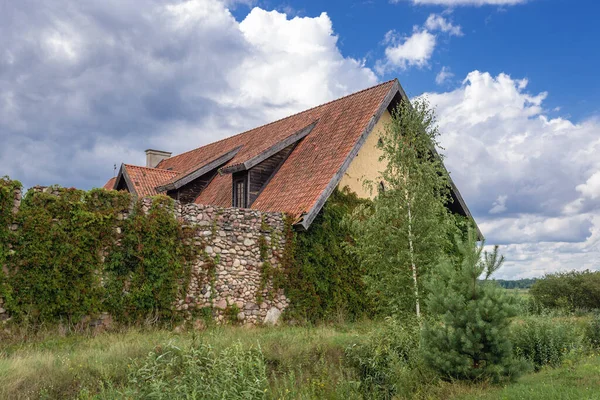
[(229, 239)]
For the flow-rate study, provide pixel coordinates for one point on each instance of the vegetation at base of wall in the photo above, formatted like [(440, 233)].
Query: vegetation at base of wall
[(150, 268), (324, 280), (58, 247), (568, 290)]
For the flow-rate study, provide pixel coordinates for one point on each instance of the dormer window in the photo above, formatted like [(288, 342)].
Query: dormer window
[(240, 192)]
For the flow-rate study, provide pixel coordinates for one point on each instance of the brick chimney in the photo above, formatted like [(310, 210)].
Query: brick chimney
[(153, 157)]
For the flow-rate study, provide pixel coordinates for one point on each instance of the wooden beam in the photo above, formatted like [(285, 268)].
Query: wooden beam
[(293, 138)]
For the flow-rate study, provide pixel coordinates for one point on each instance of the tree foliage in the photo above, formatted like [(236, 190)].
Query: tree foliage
[(468, 334), (569, 290), (405, 231)]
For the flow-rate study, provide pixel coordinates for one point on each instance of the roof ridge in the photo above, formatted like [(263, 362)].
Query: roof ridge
[(152, 169), (284, 118)]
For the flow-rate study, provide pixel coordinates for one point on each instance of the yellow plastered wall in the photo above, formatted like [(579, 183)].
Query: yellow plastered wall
[(366, 164)]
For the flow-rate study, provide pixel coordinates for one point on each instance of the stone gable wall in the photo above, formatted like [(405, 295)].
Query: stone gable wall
[(229, 239)]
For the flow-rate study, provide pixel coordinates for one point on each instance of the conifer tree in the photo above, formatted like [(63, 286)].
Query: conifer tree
[(404, 233), (467, 336)]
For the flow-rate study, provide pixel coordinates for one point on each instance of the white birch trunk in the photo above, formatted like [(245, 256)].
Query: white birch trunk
[(411, 249)]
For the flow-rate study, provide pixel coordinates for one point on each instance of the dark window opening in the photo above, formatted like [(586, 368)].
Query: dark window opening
[(239, 193)]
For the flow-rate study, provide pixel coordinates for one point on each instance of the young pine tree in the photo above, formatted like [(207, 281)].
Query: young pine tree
[(467, 336), (404, 233)]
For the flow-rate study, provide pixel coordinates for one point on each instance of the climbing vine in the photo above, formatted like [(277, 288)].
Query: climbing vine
[(7, 191), (322, 279), (151, 267), (58, 249)]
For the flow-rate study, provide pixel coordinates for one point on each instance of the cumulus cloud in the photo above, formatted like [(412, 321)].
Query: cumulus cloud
[(500, 144), (84, 85), (437, 22), (443, 76), (452, 3), (415, 50)]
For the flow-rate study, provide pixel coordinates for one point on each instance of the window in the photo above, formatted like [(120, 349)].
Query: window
[(239, 193)]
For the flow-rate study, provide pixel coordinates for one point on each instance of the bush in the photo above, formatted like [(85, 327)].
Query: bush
[(200, 372), (545, 341), (592, 332), (388, 362), (568, 290)]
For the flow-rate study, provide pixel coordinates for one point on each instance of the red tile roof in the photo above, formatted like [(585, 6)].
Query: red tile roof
[(145, 180), (110, 185), (305, 174)]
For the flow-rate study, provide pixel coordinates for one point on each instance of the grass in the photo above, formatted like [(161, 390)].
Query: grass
[(300, 363), (579, 380), (64, 367)]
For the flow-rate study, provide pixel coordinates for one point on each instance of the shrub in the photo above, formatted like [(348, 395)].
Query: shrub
[(468, 337), (569, 290), (592, 332), (545, 341), (200, 372), (388, 362)]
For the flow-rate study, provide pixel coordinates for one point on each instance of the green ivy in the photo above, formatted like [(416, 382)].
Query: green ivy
[(150, 268), (58, 250), (322, 279), (7, 190)]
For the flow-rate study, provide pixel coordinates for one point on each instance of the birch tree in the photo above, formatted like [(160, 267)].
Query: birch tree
[(404, 233)]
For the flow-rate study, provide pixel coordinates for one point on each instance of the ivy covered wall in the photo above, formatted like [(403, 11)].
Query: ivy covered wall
[(70, 255)]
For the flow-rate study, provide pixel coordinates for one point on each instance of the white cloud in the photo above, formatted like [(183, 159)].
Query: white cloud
[(443, 76), (84, 85), (591, 188), (437, 22), (415, 50), (500, 142), (499, 206), (452, 3)]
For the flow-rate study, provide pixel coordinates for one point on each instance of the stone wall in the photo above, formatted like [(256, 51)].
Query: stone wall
[(229, 241), (230, 237)]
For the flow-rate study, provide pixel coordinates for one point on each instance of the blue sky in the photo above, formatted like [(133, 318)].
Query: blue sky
[(87, 85), (554, 43)]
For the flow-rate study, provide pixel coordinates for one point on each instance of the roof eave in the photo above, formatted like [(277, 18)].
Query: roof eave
[(276, 148), (201, 170)]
